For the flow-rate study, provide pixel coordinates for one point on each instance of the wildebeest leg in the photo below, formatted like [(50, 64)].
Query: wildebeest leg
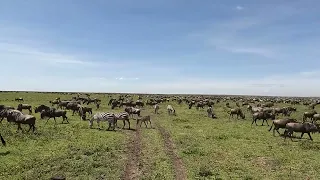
[(145, 122), (19, 127), (109, 126), (129, 123), (267, 122), (301, 135), (55, 122), (150, 123), (310, 136), (124, 124), (30, 126)]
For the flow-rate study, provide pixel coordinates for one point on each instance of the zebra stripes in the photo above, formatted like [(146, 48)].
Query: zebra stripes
[(124, 116), (104, 116)]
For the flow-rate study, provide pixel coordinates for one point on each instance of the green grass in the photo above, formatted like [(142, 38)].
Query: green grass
[(210, 148)]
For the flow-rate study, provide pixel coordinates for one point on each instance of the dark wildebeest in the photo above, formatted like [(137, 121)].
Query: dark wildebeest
[(41, 107), (145, 120), (307, 115), (19, 118), (305, 127), (238, 112), (53, 113), (25, 106), (280, 123), (19, 99), (264, 116), (132, 111), (315, 118)]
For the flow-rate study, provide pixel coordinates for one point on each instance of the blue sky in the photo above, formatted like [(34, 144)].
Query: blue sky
[(169, 46)]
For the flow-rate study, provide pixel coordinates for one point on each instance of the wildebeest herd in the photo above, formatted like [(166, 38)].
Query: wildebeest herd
[(261, 108)]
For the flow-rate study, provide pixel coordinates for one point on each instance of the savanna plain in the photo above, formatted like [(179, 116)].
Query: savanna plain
[(189, 145)]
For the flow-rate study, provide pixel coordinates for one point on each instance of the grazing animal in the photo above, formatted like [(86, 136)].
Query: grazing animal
[(315, 118), (25, 106), (124, 116), (238, 112), (262, 115), (305, 127), (280, 123), (210, 112), (53, 113), (19, 118), (41, 107), (2, 140), (156, 108), (132, 111), (310, 115), (19, 99), (103, 116), (171, 110), (145, 120)]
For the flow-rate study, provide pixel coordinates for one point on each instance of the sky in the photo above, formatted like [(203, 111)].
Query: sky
[(247, 47)]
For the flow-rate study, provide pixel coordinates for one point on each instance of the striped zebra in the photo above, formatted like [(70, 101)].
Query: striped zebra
[(103, 116), (156, 108), (124, 116)]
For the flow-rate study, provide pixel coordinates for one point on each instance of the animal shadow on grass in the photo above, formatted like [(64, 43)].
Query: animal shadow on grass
[(4, 153)]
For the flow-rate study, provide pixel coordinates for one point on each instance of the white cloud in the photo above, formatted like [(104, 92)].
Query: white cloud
[(239, 8), (277, 85)]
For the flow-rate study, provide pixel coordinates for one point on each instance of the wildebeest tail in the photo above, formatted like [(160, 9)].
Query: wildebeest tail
[(2, 140)]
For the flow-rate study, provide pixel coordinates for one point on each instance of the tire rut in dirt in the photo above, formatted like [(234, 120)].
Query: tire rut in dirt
[(132, 168), (179, 169)]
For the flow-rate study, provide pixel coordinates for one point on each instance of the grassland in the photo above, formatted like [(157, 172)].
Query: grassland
[(209, 148)]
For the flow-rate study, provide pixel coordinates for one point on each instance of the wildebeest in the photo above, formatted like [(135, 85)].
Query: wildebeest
[(41, 107), (53, 113), (20, 118), (264, 116), (18, 99), (316, 117), (305, 127), (280, 123), (103, 116), (25, 106), (2, 140), (144, 119), (171, 110), (132, 111), (210, 112), (156, 108), (307, 115), (238, 112)]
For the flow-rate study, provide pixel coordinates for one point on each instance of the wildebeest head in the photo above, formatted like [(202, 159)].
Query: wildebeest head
[(310, 127)]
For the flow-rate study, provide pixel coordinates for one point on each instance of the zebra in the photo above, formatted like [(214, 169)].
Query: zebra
[(144, 119), (103, 116), (171, 110), (156, 108), (122, 116)]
